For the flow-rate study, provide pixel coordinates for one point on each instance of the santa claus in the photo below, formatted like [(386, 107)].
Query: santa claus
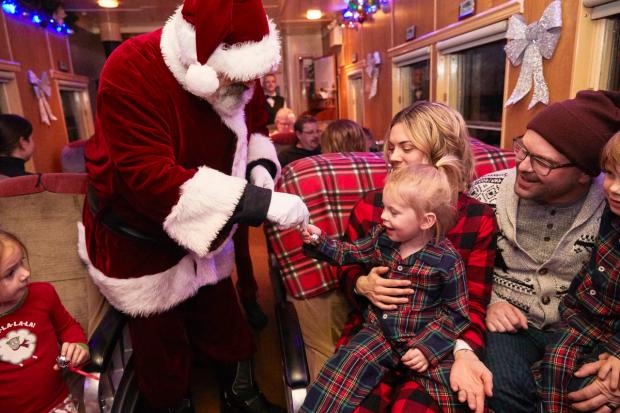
[(179, 157)]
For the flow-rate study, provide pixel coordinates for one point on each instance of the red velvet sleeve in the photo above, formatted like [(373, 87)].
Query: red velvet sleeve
[(256, 113)]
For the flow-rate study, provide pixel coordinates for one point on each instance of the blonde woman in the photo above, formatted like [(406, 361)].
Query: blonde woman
[(424, 133)]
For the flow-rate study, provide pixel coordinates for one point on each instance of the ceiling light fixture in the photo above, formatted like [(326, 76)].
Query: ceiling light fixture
[(108, 4), (314, 14)]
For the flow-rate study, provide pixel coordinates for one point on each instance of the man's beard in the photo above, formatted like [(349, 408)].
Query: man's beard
[(230, 99)]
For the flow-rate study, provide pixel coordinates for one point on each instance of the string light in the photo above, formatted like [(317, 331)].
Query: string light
[(359, 11), (36, 17)]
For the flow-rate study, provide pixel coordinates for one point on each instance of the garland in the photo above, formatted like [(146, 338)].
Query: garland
[(359, 11), (48, 14)]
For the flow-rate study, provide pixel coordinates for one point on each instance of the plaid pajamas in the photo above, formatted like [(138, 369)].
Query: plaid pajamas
[(430, 322), (591, 309)]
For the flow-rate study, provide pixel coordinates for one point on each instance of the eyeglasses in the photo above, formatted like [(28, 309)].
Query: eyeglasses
[(541, 166), (311, 132)]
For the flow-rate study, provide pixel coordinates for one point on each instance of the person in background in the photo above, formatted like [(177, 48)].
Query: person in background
[(273, 101), (410, 243), (371, 142), (548, 209), (591, 306), (308, 141), (343, 136), (284, 121), (16, 145), (36, 329)]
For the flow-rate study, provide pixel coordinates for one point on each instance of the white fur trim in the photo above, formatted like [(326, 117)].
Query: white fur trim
[(156, 293), (261, 147), (244, 61), (206, 204), (201, 80), (249, 60)]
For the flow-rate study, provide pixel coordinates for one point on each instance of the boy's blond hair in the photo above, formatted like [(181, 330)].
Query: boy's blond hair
[(6, 239), (427, 188), (610, 155), (437, 130)]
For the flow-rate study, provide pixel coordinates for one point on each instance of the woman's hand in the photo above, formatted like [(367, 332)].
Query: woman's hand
[(382, 292), (74, 353), (598, 396), (311, 234), (415, 360), (471, 380)]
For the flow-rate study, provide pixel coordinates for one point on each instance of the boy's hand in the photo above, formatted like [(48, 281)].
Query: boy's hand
[(415, 360), (311, 234), (76, 354), (610, 368)]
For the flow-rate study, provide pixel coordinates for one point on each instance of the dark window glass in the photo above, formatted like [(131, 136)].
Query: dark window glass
[(70, 107), (481, 89), (613, 74)]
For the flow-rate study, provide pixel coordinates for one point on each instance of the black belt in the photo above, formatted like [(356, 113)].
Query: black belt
[(112, 221)]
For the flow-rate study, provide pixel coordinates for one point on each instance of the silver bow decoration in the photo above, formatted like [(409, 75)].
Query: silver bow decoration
[(42, 91), (373, 60), (529, 44)]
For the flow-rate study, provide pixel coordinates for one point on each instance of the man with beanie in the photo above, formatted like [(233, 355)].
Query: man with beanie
[(548, 210), (180, 156)]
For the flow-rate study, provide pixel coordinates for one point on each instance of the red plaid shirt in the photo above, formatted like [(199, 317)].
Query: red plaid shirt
[(436, 313), (473, 236)]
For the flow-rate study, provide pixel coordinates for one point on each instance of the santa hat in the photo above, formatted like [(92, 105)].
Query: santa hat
[(205, 38)]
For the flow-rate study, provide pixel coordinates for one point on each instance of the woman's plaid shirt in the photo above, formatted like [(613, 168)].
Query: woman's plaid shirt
[(473, 236), (593, 299), (436, 313)]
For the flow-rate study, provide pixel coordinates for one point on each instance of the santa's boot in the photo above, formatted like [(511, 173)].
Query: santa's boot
[(239, 391)]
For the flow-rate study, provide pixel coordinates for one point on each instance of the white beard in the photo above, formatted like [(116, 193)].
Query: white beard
[(229, 100)]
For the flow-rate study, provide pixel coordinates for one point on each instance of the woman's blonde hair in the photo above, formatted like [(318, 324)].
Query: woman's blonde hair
[(437, 130), (343, 136), (610, 155), (428, 188)]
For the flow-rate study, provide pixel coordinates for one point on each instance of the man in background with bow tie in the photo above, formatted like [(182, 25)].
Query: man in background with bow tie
[(273, 101)]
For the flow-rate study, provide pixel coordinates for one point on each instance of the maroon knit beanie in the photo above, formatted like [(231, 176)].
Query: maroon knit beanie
[(580, 127)]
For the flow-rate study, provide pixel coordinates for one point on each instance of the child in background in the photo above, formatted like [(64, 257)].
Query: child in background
[(33, 323), (591, 306), (419, 206)]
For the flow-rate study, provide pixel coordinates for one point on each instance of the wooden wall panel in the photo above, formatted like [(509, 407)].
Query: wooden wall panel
[(378, 110), (343, 107), (30, 48), (448, 10), (5, 48), (557, 70), (352, 45), (412, 12), (59, 51)]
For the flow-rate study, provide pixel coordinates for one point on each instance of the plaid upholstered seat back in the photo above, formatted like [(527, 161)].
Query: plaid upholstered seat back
[(330, 185)]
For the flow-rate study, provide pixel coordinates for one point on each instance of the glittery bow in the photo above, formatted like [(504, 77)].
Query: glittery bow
[(42, 91), (528, 44)]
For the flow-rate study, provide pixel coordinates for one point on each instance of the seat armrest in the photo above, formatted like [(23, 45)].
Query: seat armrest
[(103, 340), (292, 345)]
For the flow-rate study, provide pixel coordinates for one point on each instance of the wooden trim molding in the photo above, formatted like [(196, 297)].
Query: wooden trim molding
[(354, 67), (486, 18), (9, 66), (80, 80)]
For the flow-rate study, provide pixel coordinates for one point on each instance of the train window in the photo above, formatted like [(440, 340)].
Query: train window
[(477, 89), (9, 94), (414, 83), (356, 98), (610, 70), (76, 111), (4, 100)]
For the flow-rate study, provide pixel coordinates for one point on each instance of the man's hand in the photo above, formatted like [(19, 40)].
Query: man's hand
[(382, 292), (471, 380), (415, 360), (260, 176), (598, 396), (503, 317), (287, 210)]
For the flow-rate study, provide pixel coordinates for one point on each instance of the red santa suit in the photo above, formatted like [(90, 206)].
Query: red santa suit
[(167, 168)]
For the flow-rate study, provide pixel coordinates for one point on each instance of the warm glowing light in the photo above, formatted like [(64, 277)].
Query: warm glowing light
[(108, 4), (314, 14)]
